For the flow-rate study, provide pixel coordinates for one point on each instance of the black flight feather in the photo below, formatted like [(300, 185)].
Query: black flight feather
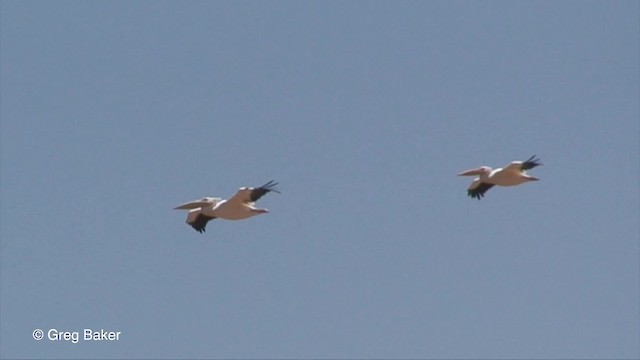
[(531, 163), (479, 191), (257, 193), (201, 222)]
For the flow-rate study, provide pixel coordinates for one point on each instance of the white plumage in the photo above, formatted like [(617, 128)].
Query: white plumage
[(239, 206), (513, 174)]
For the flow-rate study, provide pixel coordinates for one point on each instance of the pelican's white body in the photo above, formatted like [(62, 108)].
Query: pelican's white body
[(238, 207), (226, 209), (511, 175)]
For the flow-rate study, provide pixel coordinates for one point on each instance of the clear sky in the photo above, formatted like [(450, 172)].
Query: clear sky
[(114, 112)]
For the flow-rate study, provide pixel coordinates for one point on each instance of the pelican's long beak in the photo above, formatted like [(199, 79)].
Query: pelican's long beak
[(190, 205), (471, 172)]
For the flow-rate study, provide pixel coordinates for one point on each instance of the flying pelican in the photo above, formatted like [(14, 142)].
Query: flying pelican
[(238, 207), (513, 174)]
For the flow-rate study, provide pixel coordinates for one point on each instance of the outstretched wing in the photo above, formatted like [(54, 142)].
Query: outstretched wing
[(257, 193), (520, 166), (531, 163), (478, 188), (250, 194), (199, 222)]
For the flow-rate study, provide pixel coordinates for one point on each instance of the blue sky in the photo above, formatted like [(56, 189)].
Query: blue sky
[(114, 112)]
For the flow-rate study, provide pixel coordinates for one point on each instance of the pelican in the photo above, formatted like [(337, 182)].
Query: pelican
[(239, 206), (513, 174)]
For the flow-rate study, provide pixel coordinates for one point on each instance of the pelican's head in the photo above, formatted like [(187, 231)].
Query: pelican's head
[(482, 170)]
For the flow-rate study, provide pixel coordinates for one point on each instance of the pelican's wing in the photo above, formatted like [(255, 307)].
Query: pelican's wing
[(250, 194), (531, 163), (198, 220), (478, 188), (207, 201), (520, 166)]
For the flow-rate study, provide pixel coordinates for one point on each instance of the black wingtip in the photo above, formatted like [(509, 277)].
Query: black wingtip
[(475, 195), (200, 223), (271, 186), (257, 193), (531, 162), (479, 191), (201, 230)]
